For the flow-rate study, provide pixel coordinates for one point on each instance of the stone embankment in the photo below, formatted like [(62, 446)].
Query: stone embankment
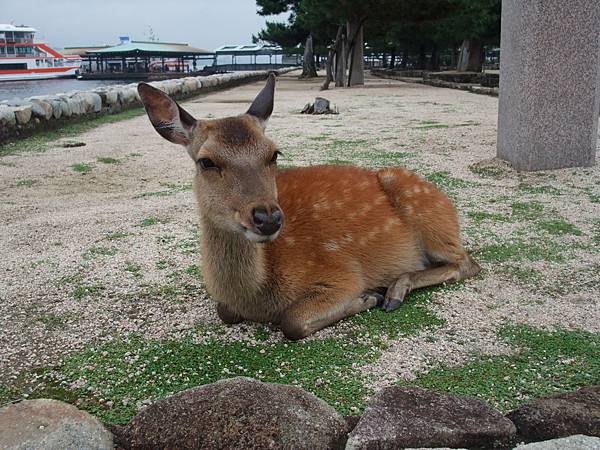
[(28, 116), (250, 414), (477, 83)]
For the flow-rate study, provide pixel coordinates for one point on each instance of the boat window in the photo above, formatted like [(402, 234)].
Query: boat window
[(12, 66)]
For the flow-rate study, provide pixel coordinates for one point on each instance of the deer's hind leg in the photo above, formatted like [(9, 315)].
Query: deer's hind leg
[(434, 220), (455, 271)]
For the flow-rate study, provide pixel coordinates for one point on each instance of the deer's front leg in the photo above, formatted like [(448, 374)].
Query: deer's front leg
[(227, 315), (323, 307)]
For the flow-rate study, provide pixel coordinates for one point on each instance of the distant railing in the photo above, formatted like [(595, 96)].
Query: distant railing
[(16, 40)]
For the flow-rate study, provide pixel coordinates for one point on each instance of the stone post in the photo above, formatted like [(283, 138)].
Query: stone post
[(549, 83)]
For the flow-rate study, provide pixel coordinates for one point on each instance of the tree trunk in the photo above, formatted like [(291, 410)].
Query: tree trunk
[(384, 63), (470, 58), (340, 62), (435, 58), (422, 58), (330, 59), (308, 64), (356, 70), (393, 58), (454, 57), (404, 61)]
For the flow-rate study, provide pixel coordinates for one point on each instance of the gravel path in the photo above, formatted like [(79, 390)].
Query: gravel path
[(89, 257)]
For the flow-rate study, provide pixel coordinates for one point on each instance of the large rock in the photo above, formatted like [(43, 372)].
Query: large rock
[(7, 116), (578, 442), (560, 415), (240, 413), (400, 417), (41, 108), (50, 424), (57, 108), (22, 114)]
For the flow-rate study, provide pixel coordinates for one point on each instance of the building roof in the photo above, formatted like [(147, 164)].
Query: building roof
[(249, 49), (81, 51), (152, 48), (11, 27)]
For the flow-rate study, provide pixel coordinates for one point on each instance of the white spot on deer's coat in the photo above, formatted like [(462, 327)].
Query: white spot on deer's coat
[(331, 246), (289, 240), (388, 177)]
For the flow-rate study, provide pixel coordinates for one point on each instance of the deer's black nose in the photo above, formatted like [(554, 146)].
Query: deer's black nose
[(267, 224)]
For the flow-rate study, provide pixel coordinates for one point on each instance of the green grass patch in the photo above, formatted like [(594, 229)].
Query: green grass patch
[(448, 183), (194, 271), (163, 264), (527, 210), (523, 275), (149, 221), (82, 167), (518, 250), (84, 290), (488, 171), (46, 140), (549, 362), (593, 196), (481, 216), (171, 189), (430, 124), (531, 189), (133, 371), (129, 372), (107, 160), (133, 268), (97, 251), (559, 227), (411, 317), (26, 183), (117, 235), (52, 321), (339, 162)]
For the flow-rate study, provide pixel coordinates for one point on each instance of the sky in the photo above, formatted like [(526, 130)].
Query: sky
[(205, 24)]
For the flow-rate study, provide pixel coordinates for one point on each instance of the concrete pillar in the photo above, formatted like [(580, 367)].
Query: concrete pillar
[(549, 83)]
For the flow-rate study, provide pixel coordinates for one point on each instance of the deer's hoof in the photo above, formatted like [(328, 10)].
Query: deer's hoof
[(373, 298), (390, 304)]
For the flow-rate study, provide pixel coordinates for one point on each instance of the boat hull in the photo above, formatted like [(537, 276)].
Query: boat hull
[(39, 74)]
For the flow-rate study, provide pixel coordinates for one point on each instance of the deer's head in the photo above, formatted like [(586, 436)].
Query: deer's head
[(235, 161)]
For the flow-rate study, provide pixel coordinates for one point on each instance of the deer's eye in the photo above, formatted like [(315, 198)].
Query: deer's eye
[(274, 157), (207, 164)]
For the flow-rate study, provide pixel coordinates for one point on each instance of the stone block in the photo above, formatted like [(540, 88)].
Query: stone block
[(51, 425), (22, 114), (401, 417), (7, 116), (549, 83), (237, 413), (559, 415), (577, 442)]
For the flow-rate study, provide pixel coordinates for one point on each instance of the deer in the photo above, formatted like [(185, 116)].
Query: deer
[(303, 248)]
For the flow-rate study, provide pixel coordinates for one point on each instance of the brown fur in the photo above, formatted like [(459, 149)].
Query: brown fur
[(347, 230)]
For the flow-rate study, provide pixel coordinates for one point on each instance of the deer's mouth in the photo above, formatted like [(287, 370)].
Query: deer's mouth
[(254, 236)]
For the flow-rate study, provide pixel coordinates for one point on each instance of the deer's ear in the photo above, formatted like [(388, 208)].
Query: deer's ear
[(168, 118), (262, 106)]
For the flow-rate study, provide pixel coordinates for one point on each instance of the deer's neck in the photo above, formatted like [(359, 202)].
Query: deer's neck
[(233, 267)]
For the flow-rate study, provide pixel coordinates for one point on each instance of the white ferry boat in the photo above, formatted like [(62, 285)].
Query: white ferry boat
[(21, 58)]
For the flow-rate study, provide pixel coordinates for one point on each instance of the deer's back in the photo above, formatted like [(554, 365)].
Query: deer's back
[(340, 226)]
